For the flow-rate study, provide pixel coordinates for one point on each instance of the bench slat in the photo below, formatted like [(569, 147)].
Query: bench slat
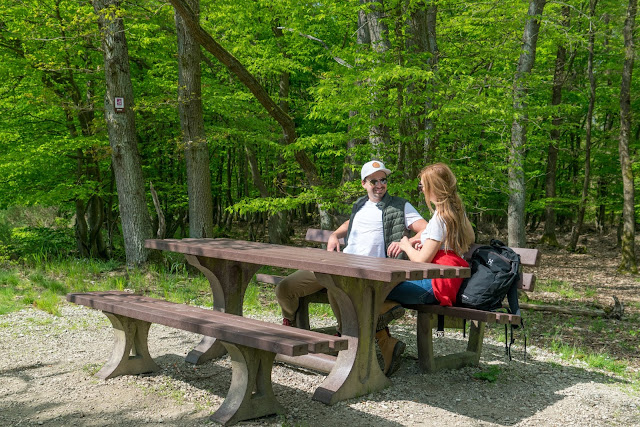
[(315, 235), (467, 313)]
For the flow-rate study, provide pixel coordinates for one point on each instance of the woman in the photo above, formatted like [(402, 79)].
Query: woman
[(447, 236)]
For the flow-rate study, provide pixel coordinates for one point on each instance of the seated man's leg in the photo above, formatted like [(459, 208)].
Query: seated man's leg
[(291, 289), (336, 312), (391, 310)]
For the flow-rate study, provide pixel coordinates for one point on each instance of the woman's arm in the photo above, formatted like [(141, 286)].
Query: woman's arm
[(426, 252)]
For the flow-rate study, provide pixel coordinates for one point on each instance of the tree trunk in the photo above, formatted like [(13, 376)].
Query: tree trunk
[(423, 35), (515, 222), (628, 260), (196, 150), (577, 228), (379, 39), (549, 235), (135, 219)]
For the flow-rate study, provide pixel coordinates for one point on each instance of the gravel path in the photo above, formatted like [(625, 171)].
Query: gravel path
[(47, 363)]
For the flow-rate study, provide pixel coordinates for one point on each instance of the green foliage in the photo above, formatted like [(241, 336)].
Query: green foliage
[(456, 107), (8, 301), (40, 242)]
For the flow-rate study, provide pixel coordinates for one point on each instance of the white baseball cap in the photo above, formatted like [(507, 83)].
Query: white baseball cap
[(372, 167)]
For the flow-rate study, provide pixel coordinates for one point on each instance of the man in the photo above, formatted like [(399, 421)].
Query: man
[(377, 220)]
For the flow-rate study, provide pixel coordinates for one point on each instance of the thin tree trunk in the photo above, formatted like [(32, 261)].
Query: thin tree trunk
[(423, 32), (516, 208), (196, 150), (549, 235), (628, 261), (135, 219), (379, 39), (577, 228)]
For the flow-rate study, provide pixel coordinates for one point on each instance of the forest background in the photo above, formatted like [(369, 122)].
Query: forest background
[(259, 117)]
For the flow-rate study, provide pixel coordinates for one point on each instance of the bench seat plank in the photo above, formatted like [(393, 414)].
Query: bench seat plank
[(318, 342)]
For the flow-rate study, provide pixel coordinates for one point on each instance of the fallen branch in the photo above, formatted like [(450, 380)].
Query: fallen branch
[(564, 310), (616, 311)]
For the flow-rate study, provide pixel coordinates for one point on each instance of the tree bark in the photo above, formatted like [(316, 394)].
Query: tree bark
[(423, 35), (577, 228), (196, 150), (378, 36), (628, 261), (559, 76), (135, 219), (516, 208)]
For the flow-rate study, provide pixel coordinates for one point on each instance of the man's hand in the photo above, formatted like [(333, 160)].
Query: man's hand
[(333, 244)]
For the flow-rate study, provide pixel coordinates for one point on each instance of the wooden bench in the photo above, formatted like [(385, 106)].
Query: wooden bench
[(252, 345), (454, 316)]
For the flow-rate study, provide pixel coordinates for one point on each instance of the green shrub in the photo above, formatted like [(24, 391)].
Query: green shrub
[(40, 242)]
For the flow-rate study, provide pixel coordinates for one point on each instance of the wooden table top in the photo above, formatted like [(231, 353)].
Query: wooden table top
[(313, 259)]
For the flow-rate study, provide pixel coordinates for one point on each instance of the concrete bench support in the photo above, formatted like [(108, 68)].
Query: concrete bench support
[(130, 355)]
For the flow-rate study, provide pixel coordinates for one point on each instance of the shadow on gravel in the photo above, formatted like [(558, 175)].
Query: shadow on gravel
[(215, 379), (520, 390)]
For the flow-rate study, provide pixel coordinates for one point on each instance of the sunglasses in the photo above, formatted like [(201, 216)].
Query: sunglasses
[(375, 182), (420, 187)]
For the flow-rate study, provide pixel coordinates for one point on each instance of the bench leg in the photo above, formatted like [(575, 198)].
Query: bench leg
[(476, 335), (429, 363), (425, 326), (228, 281), (250, 394), (130, 354)]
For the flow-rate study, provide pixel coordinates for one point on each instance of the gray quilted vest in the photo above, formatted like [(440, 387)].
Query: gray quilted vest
[(392, 219)]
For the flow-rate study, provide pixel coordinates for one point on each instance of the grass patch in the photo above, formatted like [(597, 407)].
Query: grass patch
[(8, 301), (594, 360), (92, 368), (48, 301), (490, 374)]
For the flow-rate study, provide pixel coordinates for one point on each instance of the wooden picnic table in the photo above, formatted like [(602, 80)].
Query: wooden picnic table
[(359, 283)]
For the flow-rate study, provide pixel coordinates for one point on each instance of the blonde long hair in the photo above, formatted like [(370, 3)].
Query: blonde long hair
[(438, 180)]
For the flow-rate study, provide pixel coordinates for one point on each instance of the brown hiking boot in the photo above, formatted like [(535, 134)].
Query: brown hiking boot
[(391, 349), (390, 311)]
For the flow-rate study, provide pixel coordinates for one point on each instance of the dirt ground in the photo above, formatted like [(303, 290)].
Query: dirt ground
[(588, 282), (47, 365)]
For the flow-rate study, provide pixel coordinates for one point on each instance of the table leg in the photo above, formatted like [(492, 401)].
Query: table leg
[(356, 371), (228, 281)]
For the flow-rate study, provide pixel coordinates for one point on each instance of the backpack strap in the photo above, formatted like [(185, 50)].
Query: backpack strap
[(440, 329)]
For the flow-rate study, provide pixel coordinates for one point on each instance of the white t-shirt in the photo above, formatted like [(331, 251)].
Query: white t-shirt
[(436, 230), (367, 234)]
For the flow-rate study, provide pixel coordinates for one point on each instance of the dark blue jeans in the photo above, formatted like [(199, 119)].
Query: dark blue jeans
[(413, 292)]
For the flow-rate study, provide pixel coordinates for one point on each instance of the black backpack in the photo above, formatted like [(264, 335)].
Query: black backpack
[(495, 272)]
